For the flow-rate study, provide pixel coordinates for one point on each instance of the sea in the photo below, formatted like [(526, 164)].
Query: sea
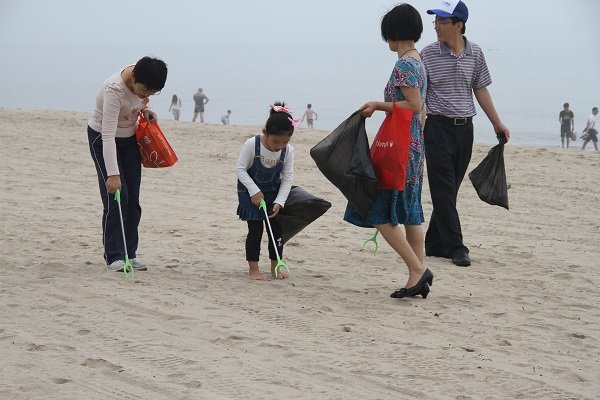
[(55, 55)]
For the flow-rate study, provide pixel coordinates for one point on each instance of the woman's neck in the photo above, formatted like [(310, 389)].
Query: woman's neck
[(405, 47), (127, 76)]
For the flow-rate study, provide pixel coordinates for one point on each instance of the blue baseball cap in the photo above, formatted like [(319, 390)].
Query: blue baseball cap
[(451, 8)]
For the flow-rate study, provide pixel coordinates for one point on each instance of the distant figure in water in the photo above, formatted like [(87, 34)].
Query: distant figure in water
[(310, 115), (175, 107), (225, 117), (589, 133), (566, 118)]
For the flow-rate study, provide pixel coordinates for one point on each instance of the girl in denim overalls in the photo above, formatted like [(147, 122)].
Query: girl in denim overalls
[(265, 171)]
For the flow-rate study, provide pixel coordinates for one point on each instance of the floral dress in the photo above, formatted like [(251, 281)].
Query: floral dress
[(393, 206)]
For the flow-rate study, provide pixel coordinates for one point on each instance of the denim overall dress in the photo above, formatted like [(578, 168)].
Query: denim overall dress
[(268, 181)]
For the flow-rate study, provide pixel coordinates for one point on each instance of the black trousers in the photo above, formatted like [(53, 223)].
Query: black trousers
[(130, 169), (255, 231), (448, 149)]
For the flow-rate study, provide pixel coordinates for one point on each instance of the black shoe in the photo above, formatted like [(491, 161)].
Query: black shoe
[(461, 258), (421, 288)]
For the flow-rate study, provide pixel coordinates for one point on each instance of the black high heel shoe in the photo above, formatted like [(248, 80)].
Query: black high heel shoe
[(414, 291), (421, 288)]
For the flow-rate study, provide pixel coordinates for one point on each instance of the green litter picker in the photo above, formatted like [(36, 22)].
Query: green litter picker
[(127, 268), (280, 263)]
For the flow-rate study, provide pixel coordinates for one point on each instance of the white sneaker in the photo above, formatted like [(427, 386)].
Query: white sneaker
[(116, 266), (138, 265)]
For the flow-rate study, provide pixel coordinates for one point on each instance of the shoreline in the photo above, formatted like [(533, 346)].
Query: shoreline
[(370, 134)]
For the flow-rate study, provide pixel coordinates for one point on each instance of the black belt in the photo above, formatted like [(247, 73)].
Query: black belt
[(451, 121)]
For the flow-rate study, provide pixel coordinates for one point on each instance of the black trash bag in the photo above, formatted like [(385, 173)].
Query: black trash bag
[(301, 208), (344, 158), (489, 177)]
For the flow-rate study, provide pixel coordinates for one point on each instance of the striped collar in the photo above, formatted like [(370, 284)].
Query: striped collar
[(446, 50)]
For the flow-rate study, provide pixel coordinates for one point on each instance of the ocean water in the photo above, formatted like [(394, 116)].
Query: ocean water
[(245, 58)]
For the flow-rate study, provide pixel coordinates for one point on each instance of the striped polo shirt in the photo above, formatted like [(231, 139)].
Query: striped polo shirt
[(451, 80)]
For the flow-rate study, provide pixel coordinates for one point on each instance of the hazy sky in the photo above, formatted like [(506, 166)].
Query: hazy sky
[(546, 50), (227, 21)]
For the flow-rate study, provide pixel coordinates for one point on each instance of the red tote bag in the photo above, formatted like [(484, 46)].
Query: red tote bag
[(389, 151), (155, 150)]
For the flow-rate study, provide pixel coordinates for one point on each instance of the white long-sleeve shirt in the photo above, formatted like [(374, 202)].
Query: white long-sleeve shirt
[(269, 159), (115, 115)]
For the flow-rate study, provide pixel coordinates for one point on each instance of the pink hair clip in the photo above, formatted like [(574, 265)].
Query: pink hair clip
[(294, 121), (281, 109)]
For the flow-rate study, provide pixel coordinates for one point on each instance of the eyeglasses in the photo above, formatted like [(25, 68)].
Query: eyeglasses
[(440, 22)]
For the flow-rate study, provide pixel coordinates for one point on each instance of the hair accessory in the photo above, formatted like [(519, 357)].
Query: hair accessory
[(281, 109), (294, 121)]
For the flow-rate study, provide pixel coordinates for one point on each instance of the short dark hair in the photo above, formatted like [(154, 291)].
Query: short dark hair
[(151, 72), (566, 105), (594, 109), (279, 122), (402, 22)]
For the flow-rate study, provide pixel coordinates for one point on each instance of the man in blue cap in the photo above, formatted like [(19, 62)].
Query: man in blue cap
[(456, 70)]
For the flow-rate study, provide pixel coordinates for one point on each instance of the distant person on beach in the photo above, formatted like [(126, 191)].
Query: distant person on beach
[(225, 117), (310, 115), (590, 133), (401, 28), (566, 118), (456, 70), (200, 101), (114, 149), (265, 170), (175, 107)]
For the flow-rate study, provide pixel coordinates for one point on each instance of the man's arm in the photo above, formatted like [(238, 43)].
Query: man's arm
[(572, 121), (485, 101)]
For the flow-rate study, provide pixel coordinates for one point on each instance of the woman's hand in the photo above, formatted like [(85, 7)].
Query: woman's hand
[(276, 208), (257, 198), (369, 108), (113, 183), (150, 116)]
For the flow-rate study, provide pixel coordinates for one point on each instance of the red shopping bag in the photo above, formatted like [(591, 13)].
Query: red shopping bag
[(155, 150), (389, 151)]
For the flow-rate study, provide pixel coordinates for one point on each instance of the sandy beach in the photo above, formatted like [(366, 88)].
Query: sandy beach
[(522, 322)]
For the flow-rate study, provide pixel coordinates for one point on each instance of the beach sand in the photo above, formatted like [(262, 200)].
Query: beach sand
[(522, 322)]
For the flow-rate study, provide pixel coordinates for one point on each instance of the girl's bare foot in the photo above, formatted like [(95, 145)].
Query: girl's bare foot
[(254, 272), (281, 274), (259, 276)]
